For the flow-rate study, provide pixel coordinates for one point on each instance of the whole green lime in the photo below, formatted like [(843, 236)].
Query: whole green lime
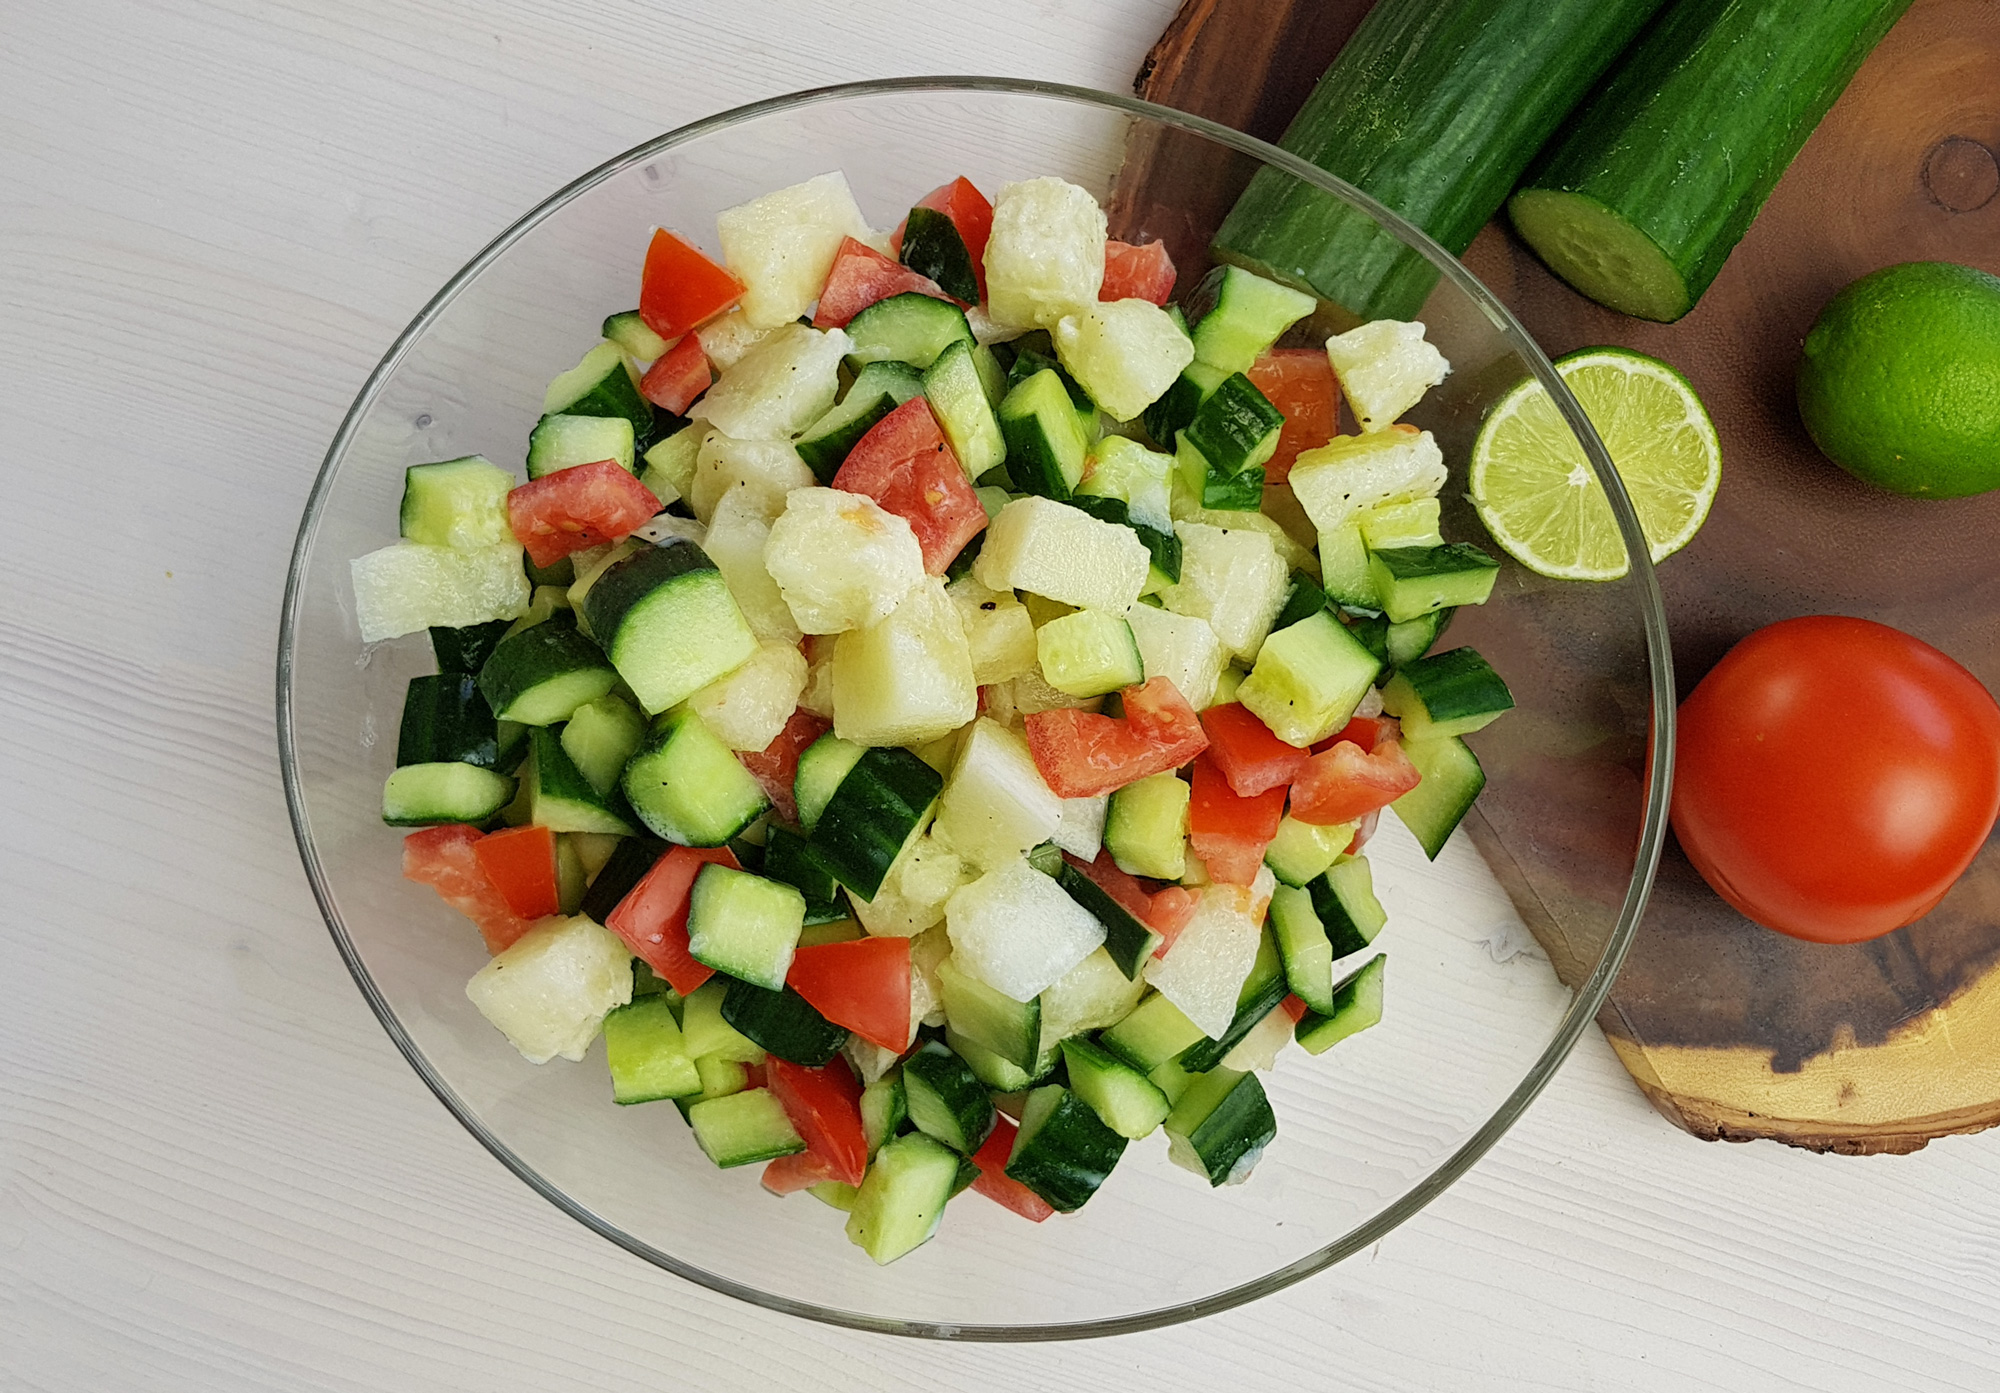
[(1900, 382)]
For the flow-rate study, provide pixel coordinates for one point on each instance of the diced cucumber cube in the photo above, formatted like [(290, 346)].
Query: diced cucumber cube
[(646, 1054), (601, 737), (1417, 580), (1145, 828), (1046, 443), (1308, 679), (562, 442), (1063, 1151), (1447, 694), (1357, 1004), (1302, 851), (1125, 1100), (707, 1035), (912, 328), (740, 1129), (1344, 574), (1124, 469), (1303, 943), (1156, 1032), (1220, 1126), (1451, 781), (957, 397), (1089, 653), (460, 503), (947, 1101), (1413, 523), (902, 1197), (1248, 315), (744, 925), (1344, 899)]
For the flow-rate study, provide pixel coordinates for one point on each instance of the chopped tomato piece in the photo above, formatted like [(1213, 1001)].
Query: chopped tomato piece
[(1346, 783), (1172, 908), (681, 374), (681, 288), (1365, 731), (1081, 754), (1364, 832), (970, 213), (904, 464), (996, 1184), (444, 858), (799, 1171), (754, 1076), (1301, 384), (1228, 832), (863, 984), (1144, 272), (1252, 758), (861, 276), (777, 764), (652, 918), (521, 864), (824, 1105), (582, 506), (1294, 1008)]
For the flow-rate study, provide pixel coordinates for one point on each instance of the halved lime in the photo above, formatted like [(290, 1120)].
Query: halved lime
[(1535, 490)]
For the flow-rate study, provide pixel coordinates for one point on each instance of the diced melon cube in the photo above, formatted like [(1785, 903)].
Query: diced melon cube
[(1297, 556), (817, 698), (748, 707), (1045, 257), (735, 542), (907, 678), (1125, 354), (1234, 579), (913, 893), (767, 470), (841, 560), (725, 339), (409, 586), (1206, 967), (1352, 472), (1063, 553), (869, 1061), (987, 330), (1385, 367), (996, 805), (777, 389), (782, 245), (998, 628), (550, 991), (1019, 932), (1181, 648), (1081, 829), (928, 950), (1090, 996), (1007, 702)]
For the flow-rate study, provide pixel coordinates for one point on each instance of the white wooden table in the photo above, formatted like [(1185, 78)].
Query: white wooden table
[(215, 1172)]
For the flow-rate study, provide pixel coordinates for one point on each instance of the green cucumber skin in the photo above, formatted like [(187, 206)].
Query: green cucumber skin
[(1704, 115), (1434, 107)]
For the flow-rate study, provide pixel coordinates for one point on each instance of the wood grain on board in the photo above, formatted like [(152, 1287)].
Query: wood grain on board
[(1731, 1031)]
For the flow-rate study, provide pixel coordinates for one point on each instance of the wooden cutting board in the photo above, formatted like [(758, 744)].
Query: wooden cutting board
[(1734, 1032)]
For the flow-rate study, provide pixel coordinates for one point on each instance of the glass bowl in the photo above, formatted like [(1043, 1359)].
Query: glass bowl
[(1560, 852)]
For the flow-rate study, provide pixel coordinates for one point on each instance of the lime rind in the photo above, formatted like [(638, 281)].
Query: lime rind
[(1537, 495)]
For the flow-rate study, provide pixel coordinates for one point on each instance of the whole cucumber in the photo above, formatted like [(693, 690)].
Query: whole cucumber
[(1655, 179), (1434, 107)]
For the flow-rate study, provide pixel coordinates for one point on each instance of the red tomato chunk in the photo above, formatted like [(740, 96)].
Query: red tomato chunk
[(996, 1184), (1144, 272), (1082, 754), (583, 506), (904, 464), (681, 288), (863, 985), (824, 1105), (799, 1171), (652, 918), (970, 213), (1301, 384), (444, 858), (776, 765), (1252, 758), (681, 375), (1345, 783), (861, 276), (1228, 832), (521, 864)]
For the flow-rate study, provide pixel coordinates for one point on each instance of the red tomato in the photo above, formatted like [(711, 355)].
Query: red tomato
[(996, 1184), (861, 276), (681, 375), (1294, 1008), (1144, 272), (521, 864), (1173, 906), (863, 984), (1365, 731), (799, 1171), (1249, 755), (653, 916), (1300, 383), (1346, 782), (777, 764), (1833, 777), (1081, 754), (681, 288), (904, 464), (443, 858), (825, 1107), (582, 506), (1228, 832), (969, 212)]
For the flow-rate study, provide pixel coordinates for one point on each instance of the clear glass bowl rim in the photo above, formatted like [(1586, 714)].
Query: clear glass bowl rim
[(1587, 999)]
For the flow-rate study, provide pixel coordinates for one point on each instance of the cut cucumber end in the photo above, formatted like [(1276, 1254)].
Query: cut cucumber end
[(1601, 254)]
